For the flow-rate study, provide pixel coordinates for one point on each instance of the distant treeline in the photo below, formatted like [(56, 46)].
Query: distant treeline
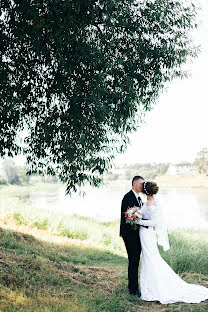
[(12, 174), (146, 170)]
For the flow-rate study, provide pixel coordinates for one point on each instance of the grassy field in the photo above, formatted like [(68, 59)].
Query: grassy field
[(198, 181), (188, 181), (59, 263)]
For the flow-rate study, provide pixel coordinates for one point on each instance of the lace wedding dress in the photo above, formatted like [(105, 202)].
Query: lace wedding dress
[(158, 282)]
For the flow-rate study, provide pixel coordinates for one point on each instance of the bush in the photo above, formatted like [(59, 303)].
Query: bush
[(21, 171), (20, 218), (107, 239), (3, 180), (41, 224), (74, 234)]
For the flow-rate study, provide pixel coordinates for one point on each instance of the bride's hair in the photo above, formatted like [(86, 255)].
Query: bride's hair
[(150, 188)]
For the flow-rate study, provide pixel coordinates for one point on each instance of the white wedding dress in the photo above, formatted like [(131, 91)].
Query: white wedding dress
[(158, 282)]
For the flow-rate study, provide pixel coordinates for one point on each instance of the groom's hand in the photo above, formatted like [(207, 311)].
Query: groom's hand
[(139, 222)]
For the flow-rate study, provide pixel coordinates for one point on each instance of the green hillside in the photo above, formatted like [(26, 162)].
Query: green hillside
[(62, 263)]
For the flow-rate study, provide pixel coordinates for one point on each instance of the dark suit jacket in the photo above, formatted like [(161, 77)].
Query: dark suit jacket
[(128, 201)]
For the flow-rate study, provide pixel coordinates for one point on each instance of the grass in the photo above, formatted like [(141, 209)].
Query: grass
[(198, 182), (61, 263), (189, 181)]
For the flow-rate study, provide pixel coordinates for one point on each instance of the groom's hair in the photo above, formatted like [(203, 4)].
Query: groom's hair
[(136, 178)]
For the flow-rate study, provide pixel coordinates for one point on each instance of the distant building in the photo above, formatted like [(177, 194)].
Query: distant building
[(184, 168)]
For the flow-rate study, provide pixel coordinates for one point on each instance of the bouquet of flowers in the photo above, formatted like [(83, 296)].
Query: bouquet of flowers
[(132, 214)]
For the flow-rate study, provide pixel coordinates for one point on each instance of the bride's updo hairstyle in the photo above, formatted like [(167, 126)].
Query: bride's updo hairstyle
[(150, 188)]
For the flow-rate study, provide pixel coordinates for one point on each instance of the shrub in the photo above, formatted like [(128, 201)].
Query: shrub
[(74, 234), (20, 218), (3, 180), (41, 224), (107, 239)]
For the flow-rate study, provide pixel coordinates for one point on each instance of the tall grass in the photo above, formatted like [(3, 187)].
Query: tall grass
[(182, 256)]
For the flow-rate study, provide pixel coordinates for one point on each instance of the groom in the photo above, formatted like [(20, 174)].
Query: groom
[(130, 235)]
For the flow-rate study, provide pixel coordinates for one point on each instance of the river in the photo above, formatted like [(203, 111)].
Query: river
[(185, 208)]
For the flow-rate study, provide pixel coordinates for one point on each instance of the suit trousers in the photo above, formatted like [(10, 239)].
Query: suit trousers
[(133, 248)]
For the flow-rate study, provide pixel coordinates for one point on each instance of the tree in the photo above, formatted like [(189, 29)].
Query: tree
[(23, 177), (10, 169), (146, 170), (78, 77), (201, 161)]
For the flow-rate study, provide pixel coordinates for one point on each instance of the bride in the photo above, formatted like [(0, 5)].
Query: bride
[(158, 282)]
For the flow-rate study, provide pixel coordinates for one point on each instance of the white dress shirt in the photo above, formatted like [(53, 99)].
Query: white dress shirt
[(136, 195)]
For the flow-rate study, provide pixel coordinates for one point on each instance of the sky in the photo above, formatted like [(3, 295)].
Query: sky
[(177, 128)]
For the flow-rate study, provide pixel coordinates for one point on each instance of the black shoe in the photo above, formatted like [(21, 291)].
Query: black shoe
[(135, 293)]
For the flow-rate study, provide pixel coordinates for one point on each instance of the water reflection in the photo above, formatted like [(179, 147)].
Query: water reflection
[(184, 208)]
